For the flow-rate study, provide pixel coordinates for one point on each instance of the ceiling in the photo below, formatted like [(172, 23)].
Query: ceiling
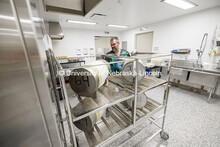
[(133, 13)]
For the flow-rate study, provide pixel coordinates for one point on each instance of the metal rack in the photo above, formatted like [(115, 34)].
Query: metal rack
[(124, 119)]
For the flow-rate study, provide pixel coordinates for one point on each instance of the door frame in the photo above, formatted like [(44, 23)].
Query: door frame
[(144, 33)]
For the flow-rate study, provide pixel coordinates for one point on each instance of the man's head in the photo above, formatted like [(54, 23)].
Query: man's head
[(114, 42)]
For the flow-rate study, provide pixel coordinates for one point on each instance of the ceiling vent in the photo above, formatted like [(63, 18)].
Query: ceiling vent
[(143, 29), (98, 17)]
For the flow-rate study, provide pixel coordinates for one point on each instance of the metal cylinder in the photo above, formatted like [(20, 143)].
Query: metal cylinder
[(141, 101), (86, 80), (87, 123), (127, 71)]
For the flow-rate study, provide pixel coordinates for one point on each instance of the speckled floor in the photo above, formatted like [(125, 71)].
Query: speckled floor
[(190, 121)]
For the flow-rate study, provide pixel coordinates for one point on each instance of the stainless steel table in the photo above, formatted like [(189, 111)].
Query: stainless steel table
[(203, 68)]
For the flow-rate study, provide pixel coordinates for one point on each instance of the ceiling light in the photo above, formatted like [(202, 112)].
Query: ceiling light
[(12, 18), (117, 26), (81, 22), (183, 4)]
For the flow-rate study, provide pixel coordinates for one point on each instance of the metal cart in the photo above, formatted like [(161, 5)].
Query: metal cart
[(123, 120)]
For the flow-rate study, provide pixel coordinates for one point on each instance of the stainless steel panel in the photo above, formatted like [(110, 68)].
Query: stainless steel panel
[(202, 79), (25, 104), (178, 73)]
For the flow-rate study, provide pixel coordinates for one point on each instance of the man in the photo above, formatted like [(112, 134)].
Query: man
[(116, 51)]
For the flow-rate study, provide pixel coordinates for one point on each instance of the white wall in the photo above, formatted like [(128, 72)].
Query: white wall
[(77, 39), (102, 45), (182, 32)]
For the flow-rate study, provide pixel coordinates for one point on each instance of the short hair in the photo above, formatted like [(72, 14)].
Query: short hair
[(115, 38)]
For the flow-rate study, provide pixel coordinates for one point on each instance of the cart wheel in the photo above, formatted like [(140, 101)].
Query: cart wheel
[(164, 135)]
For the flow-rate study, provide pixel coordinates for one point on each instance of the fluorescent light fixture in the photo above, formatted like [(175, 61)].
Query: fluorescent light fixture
[(183, 4), (4, 31), (81, 22), (6, 17), (116, 26), (8, 30), (12, 18)]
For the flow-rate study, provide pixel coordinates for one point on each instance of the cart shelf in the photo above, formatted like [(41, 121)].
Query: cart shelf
[(118, 122), (107, 95), (147, 83), (112, 94)]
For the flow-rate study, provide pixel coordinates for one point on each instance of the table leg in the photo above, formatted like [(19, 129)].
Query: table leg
[(210, 95), (216, 86)]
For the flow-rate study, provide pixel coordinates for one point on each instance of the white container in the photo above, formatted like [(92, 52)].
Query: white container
[(128, 68), (87, 123), (85, 81), (141, 101)]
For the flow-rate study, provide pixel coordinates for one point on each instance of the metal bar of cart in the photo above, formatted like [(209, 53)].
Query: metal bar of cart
[(121, 86), (116, 135), (152, 87), (69, 112), (134, 104), (141, 120), (123, 112), (155, 102), (126, 119), (85, 66), (107, 125), (117, 120), (91, 138), (99, 132), (154, 122), (52, 68), (157, 55), (150, 114), (102, 107), (66, 103), (166, 92), (138, 114), (145, 112), (143, 141)]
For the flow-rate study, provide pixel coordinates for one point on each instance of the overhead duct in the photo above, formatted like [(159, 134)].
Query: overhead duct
[(55, 31), (89, 5), (76, 7)]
